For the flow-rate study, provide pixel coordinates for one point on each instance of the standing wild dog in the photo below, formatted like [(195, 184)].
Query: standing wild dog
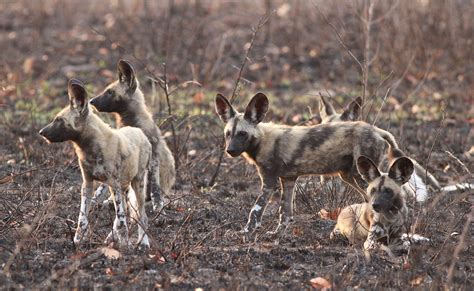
[(416, 187), (118, 158), (124, 98), (283, 153), (382, 219)]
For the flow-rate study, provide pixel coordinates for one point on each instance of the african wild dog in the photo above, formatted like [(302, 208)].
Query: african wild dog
[(283, 153), (124, 98), (118, 158), (327, 113), (416, 187), (382, 219)]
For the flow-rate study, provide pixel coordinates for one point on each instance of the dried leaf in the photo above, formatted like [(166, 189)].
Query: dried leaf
[(198, 97), (320, 283), (329, 215), (28, 65), (109, 272), (111, 253), (6, 179), (417, 281)]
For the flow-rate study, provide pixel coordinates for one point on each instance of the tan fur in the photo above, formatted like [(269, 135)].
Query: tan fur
[(361, 223), (118, 158), (130, 110), (283, 153), (352, 112)]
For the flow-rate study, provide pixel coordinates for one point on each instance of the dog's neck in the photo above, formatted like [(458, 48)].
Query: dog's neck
[(95, 131)]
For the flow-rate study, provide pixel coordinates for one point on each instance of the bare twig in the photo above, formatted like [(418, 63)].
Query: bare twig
[(459, 247), (339, 37), (260, 24), (164, 86), (381, 106)]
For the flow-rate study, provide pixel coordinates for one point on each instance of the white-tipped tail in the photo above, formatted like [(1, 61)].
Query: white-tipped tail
[(458, 187), (419, 188)]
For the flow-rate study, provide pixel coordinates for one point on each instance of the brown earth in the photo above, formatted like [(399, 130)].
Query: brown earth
[(196, 242)]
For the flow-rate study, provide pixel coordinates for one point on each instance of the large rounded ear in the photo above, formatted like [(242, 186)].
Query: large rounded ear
[(401, 170), (325, 108), (353, 110), (77, 94), (367, 169), (257, 108), (223, 108), (126, 75)]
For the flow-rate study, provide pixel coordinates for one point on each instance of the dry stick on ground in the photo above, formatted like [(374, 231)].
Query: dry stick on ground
[(260, 24), (460, 246)]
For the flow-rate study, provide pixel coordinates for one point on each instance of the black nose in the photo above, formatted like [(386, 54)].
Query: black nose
[(376, 206), (41, 131), (93, 101)]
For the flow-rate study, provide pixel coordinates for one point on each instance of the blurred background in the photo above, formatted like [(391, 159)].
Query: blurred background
[(411, 60)]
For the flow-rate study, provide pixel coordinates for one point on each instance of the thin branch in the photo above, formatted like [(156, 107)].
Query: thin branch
[(260, 24), (341, 41), (459, 247), (381, 106)]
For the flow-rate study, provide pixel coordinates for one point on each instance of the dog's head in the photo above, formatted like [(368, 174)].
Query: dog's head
[(69, 123), (327, 113), (385, 189), (241, 129), (120, 94)]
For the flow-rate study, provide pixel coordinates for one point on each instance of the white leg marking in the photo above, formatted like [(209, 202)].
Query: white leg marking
[(100, 193), (82, 223), (256, 207), (120, 223)]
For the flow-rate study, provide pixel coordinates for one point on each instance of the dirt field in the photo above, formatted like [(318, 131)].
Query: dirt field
[(419, 86)]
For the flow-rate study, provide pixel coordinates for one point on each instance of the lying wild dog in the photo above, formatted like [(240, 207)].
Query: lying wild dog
[(118, 158), (384, 216), (416, 187), (283, 153), (124, 98)]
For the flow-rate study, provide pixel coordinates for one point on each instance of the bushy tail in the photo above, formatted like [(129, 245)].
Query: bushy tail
[(458, 187), (423, 173), (394, 152), (167, 167)]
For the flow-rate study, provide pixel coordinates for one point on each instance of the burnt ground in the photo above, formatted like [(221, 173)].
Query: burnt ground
[(196, 242)]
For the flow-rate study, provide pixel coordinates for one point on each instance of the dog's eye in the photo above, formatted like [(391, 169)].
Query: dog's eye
[(242, 134), (109, 92), (227, 133)]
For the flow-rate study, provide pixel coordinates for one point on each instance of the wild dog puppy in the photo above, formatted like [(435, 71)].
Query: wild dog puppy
[(382, 219), (118, 158), (124, 98), (416, 187), (283, 153)]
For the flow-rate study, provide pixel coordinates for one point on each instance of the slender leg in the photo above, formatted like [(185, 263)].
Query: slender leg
[(376, 232), (269, 187), (100, 193), (154, 181), (120, 228), (286, 206), (139, 213), (83, 222)]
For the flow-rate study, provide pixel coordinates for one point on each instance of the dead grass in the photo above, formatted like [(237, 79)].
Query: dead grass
[(419, 49)]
